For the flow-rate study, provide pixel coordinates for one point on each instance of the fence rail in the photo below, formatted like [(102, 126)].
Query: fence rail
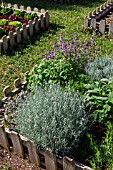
[(98, 13), (41, 22), (42, 158)]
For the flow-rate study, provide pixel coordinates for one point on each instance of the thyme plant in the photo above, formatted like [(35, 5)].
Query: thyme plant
[(53, 118)]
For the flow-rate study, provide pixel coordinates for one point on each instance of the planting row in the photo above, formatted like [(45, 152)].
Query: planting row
[(20, 25), (96, 19)]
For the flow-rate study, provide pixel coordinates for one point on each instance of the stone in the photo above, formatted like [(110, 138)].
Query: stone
[(86, 20), (102, 26), (28, 9), (22, 7), (93, 23), (36, 26), (24, 31), (15, 6)]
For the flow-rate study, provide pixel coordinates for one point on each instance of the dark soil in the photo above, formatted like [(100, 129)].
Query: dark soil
[(10, 161)]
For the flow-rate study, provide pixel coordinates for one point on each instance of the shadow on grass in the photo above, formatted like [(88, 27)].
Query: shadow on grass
[(50, 4), (53, 28)]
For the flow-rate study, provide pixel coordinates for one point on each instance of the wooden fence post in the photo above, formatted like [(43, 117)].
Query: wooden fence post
[(50, 160), (93, 23), (18, 35), (33, 153), (111, 27), (102, 26), (5, 42), (68, 164), (17, 144), (3, 138), (11, 39)]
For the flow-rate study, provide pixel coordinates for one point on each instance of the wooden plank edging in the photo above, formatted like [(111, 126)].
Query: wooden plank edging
[(41, 22), (50, 161)]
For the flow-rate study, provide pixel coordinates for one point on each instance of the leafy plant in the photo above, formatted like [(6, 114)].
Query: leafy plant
[(15, 23), (4, 21), (1, 30), (52, 118), (99, 99), (19, 13), (65, 64), (103, 157), (30, 15), (101, 67)]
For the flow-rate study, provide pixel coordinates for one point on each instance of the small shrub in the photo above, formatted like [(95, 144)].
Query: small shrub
[(53, 118), (4, 21), (30, 15), (19, 13), (1, 30), (101, 67), (16, 23), (99, 99)]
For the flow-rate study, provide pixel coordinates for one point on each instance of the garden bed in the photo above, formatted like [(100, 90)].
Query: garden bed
[(101, 18), (41, 22)]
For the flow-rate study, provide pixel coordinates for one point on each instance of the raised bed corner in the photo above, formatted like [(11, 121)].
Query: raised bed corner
[(41, 22), (97, 18)]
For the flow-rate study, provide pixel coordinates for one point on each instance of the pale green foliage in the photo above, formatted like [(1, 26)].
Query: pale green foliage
[(101, 67), (53, 118)]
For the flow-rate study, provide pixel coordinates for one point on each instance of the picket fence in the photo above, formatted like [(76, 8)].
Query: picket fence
[(97, 14), (41, 22), (23, 147)]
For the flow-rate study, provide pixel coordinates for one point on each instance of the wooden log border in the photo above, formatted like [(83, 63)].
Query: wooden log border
[(91, 19), (41, 22), (22, 146)]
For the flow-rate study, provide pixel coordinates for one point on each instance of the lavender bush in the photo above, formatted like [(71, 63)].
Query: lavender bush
[(101, 67), (53, 118)]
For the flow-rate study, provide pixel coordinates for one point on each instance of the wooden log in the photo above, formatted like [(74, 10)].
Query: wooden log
[(90, 14), (86, 21), (33, 153), (22, 7), (9, 5), (102, 26), (11, 39), (15, 6), (1, 46), (3, 138), (47, 18), (35, 9), (68, 164), (17, 144), (7, 91), (5, 42), (30, 28), (28, 9), (36, 26), (18, 35), (41, 21), (111, 27), (17, 83), (24, 34), (50, 160), (93, 23)]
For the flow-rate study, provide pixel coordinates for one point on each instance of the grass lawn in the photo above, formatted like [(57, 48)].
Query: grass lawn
[(64, 18)]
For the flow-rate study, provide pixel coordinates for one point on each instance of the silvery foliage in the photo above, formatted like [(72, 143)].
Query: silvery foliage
[(52, 118), (101, 67)]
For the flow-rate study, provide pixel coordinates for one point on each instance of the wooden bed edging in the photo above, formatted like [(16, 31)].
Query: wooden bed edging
[(91, 19), (41, 22), (8, 93), (42, 158)]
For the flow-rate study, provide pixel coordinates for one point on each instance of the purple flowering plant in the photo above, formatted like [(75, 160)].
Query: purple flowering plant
[(65, 63)]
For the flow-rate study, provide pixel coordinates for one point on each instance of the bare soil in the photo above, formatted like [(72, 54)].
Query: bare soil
[(10, 161)]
